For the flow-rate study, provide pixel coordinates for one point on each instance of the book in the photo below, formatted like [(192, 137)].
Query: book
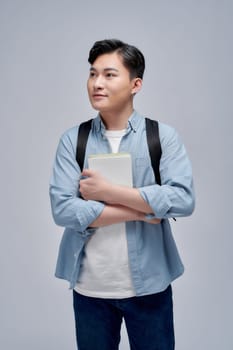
[(115, 167)]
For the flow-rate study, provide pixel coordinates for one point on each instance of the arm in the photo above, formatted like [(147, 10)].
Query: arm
[(113, 214), (175, 197), (68, 209), (96, 187)]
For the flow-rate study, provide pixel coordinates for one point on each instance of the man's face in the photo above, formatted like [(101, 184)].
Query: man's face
[(110, 88)]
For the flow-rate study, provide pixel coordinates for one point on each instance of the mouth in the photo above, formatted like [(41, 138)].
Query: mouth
[(98, 96)]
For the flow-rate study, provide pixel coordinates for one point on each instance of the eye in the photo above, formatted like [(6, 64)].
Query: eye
[(110, 75), (92, 74)]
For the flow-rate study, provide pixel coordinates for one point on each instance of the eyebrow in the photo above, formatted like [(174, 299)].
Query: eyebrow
[(105, 69)]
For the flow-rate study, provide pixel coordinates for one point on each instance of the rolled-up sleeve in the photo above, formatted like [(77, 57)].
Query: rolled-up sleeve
[(175, 196), (68, 209)]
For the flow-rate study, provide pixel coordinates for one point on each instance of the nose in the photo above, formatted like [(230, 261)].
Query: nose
[(98, 82)]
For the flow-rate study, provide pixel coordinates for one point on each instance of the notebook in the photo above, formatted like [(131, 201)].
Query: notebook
[(115, 167)]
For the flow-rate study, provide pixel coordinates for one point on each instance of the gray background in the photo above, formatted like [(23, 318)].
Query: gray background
[(188, 84)]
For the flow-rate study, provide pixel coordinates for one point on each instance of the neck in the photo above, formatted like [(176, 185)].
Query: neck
[(116, 120)]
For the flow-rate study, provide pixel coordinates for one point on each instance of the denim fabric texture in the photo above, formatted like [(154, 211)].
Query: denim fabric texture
[(148, 320)]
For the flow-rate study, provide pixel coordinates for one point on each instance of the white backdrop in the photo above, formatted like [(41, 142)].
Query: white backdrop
[(188, 83)]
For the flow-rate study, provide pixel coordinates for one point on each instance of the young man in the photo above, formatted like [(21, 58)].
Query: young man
[(117, 250)]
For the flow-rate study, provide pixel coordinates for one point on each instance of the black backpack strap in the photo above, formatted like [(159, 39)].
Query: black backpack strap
[(152, 133), (83, 133)]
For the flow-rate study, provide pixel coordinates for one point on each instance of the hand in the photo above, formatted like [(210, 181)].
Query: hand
[(94, 186)]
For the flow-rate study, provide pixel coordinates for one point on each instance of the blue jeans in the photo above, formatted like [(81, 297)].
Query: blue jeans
[(148, 320)]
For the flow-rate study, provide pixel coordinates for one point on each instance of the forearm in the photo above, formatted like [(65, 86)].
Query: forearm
[(113, 214), (95, 187), (128, 197)]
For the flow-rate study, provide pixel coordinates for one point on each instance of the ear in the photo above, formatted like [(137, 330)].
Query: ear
[(136, 85)]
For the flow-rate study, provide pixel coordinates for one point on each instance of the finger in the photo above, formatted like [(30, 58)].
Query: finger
[(87, 172), (156, 221)]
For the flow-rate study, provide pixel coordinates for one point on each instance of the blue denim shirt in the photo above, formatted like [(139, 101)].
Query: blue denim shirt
[(153, 257)]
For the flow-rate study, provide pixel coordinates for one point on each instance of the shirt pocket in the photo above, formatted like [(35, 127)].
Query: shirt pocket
[(142, 162), (142, 173)]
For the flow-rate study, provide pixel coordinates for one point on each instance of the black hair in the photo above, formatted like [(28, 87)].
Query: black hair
[(132, 58)]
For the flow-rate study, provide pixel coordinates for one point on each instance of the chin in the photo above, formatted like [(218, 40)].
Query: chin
[(98, 107)]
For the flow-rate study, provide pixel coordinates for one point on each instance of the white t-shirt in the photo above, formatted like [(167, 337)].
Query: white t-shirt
[(105, 269)]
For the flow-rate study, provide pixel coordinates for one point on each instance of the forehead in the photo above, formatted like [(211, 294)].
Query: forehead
[(109, 60)]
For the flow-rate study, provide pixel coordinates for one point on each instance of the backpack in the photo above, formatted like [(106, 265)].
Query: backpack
[(152, 133)]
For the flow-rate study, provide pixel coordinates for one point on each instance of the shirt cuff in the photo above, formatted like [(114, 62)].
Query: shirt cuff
[(85, 217), (157, 199)]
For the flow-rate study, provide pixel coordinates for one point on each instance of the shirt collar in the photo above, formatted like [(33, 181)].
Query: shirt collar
[(133, 122)]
